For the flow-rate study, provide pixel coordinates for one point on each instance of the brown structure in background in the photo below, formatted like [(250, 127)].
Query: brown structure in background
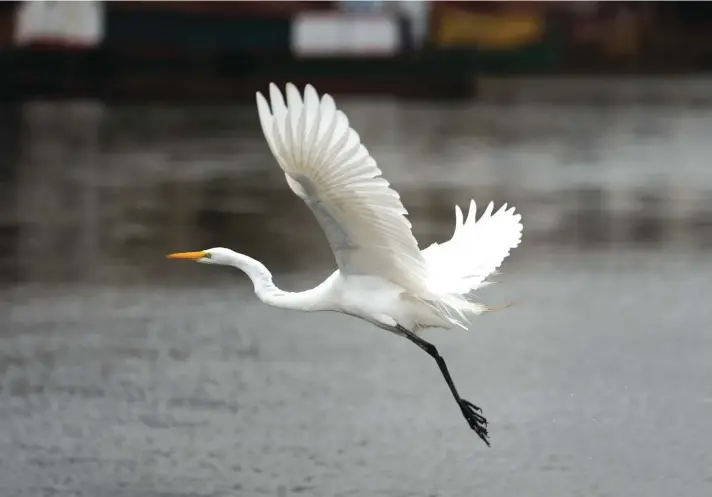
[(224, 49)]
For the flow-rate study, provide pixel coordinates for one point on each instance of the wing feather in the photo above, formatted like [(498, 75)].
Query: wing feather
[(326, 165), (475, 251)]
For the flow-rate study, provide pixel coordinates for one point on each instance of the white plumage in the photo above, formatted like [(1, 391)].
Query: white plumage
[(383, 277), (477, 248), (327, 166)]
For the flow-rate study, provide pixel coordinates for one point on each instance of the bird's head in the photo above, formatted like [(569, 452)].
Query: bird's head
[(217, 255)]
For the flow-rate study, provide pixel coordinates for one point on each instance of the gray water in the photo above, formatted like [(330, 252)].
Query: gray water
[(124, 374)]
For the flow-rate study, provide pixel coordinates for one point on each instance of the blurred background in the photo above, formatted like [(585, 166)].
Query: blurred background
[(129, 130)]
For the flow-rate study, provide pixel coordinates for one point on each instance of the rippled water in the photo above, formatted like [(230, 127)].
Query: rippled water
[(124, 374)]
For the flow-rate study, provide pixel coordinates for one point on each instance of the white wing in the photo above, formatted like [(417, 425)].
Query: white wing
[(326, 165), (475, 251)]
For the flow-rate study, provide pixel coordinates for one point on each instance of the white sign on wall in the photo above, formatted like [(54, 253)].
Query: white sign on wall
[(76, 24), (331, 34)]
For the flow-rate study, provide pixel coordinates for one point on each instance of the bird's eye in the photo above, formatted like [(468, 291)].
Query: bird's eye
[(208, 255)]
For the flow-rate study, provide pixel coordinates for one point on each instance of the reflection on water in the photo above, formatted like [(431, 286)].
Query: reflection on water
[(97, 193), (146, 377)]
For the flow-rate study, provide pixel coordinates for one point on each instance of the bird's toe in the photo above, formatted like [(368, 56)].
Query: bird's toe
[(476, 421)]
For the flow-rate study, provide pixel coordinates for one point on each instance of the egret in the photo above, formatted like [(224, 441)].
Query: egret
[(382, 276)]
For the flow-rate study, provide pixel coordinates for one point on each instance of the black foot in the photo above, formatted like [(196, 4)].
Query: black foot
[(476, 421)]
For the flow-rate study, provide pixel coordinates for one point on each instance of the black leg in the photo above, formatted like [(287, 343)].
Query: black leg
[(471, 412)]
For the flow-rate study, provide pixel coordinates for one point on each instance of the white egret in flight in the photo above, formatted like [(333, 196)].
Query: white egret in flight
[(382, 277)]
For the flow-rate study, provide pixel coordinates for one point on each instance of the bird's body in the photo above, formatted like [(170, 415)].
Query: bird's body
[(382, 303), (375, 300), (383, 277)]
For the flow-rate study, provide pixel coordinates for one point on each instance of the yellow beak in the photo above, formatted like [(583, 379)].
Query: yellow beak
[(188, 256)]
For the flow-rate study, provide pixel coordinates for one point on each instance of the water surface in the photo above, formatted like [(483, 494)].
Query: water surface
[(124, 374)]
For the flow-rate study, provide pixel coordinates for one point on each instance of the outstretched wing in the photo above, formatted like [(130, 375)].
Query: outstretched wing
[(327, 166), (477, 248)]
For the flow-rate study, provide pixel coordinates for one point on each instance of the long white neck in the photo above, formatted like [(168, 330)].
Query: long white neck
[(268, 292)]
